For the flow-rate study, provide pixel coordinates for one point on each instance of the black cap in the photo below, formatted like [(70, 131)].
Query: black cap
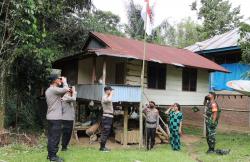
[(53, 77), (108, 88)]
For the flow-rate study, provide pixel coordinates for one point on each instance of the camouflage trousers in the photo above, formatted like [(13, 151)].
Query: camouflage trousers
[(210, 135)]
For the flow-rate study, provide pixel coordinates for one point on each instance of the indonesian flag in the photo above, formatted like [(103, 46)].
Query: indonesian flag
[(146, 14)]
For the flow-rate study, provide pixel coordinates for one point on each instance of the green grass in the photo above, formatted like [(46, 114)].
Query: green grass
[(238, 143), (193, 131), (162, 153)]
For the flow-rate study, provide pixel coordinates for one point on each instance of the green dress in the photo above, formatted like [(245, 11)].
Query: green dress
[(174, 121)]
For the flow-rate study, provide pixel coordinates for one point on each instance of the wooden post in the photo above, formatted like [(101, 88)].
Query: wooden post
[(104, 71), (94, 70), (125, 126)]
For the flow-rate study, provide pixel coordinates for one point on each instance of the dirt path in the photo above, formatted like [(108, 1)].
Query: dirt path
[(189, 140)]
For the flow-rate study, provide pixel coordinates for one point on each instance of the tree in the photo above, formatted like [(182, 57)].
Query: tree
[(245, 42), (181, 35), (187, 32), (29, 23), (22, 28), (218, 17), (74, 28), (33, 34), (135, 26)]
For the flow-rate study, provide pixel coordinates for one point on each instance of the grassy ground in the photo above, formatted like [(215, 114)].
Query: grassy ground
[(162, 153), (238, 143)]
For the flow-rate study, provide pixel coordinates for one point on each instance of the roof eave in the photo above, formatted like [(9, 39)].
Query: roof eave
[(217, 50)]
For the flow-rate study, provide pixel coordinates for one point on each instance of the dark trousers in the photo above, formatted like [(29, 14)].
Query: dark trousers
[(66, 132), (106, 129), (54, 134), (151, 137)]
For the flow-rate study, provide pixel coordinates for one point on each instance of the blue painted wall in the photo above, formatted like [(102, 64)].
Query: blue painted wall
[(218, 80)]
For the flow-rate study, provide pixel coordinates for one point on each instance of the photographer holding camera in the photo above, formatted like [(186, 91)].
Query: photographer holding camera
[(211, 117), (54, 114), (68, 116)]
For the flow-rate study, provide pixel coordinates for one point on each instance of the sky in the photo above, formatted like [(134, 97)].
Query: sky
[(173, 10)]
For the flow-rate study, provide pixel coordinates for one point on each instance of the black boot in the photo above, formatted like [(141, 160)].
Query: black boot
[(210, 151), (64, 149), (56, 159), (105, 149), (223, 151)]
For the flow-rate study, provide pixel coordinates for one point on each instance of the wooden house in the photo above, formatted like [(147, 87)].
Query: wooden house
[(224, 50), (171, 74)]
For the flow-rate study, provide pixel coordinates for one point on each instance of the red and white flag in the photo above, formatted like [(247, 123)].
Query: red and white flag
[(147, 16)]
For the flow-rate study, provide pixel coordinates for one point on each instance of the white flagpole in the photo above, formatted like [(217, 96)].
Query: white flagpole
[(142, 87)]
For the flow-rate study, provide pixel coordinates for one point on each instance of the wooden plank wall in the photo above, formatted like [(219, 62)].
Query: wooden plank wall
[(133, 72)]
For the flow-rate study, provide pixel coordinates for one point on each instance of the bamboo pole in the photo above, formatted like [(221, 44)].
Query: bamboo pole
[(142, 90)]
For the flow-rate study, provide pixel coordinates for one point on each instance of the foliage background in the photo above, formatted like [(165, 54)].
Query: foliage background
[(33, 33)]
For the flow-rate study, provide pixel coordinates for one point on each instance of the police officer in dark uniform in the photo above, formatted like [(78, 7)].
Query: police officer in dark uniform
[(212, 116), (107, 117)]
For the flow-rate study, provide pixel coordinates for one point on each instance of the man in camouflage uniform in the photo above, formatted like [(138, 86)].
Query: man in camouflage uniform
[(212, 117)]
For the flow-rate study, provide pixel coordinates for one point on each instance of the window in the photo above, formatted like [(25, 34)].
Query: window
[(120, 73), (156, 75), (189, 79)]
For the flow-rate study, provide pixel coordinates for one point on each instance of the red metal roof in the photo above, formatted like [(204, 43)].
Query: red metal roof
[(129, 48)]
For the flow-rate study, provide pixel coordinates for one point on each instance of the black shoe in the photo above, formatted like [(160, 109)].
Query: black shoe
[(223, 151), (210, 151), (56, 159), (148, 147), (64, 149), (104, 149)]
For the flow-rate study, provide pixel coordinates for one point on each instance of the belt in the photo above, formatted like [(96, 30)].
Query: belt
[(108, 114), (151, 122)]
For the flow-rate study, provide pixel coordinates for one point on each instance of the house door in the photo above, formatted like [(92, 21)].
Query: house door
[(120, 73)]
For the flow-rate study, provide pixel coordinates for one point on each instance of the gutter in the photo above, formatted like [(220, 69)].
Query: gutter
[(217, 50)]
